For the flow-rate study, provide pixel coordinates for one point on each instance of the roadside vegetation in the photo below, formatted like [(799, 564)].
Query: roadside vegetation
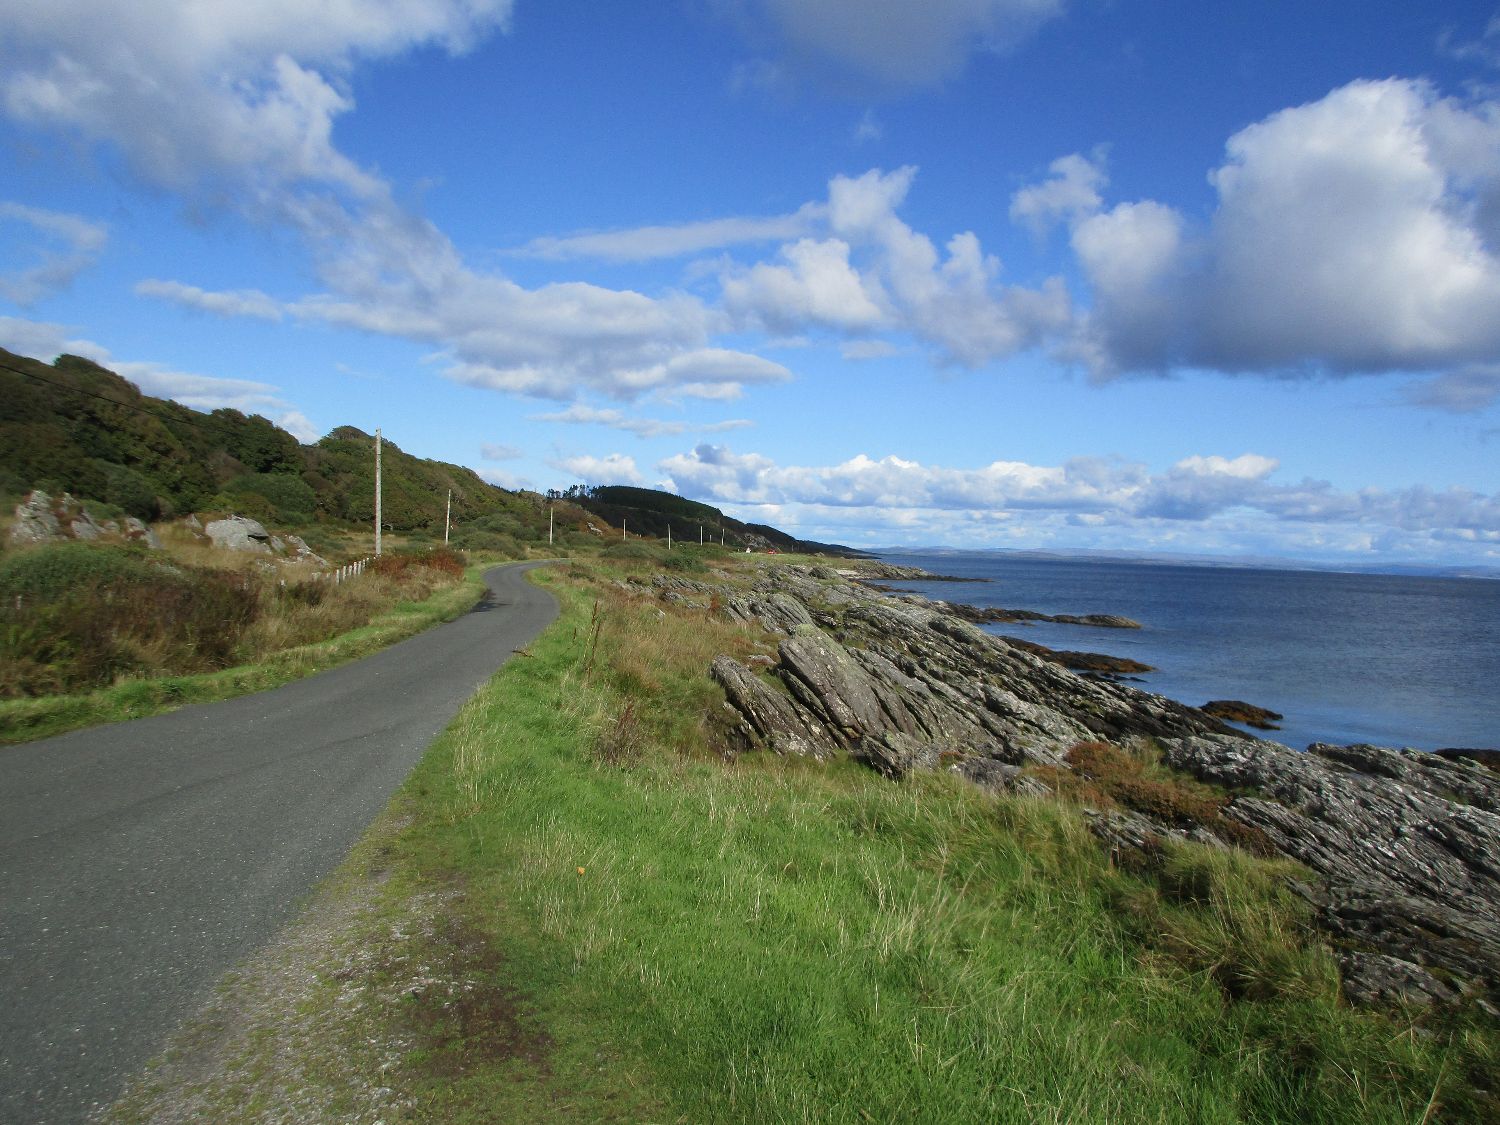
[(92, 633), (636, 927)]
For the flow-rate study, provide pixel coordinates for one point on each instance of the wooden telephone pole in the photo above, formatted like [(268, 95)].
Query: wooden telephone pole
[(377, 492)]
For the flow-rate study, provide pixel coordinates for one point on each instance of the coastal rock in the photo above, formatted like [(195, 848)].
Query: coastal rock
[(1408, 869), (36, 522), (1236, 711), (1085, 661), (766, 717), (1404, 845), (1374, 978)]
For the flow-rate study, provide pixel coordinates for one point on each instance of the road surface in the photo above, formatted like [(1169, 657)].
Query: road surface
[(140, 861)]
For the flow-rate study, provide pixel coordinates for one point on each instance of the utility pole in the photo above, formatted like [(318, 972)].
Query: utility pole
[(377, 492), (622, 529), (700, 535), (549, 525), (669, 536), (448, 518)]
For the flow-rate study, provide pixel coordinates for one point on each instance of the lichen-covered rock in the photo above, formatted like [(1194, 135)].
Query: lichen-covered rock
[(239, 533), (1407, 868), (42, 519), (36, 522), (763, 716)]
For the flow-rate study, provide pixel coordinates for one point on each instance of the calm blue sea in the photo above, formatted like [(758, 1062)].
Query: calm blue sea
[(1395, 661)]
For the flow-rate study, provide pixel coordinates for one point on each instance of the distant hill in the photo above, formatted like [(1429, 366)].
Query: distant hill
[(651, 512)]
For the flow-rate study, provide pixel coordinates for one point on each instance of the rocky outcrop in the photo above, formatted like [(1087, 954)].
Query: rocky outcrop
[(1404, 846), (1407, 843), (42, 519)]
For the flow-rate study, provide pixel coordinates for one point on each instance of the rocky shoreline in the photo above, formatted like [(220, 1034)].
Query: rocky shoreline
[(1402, 847)]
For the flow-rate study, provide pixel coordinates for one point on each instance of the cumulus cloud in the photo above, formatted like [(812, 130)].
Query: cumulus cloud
[(893, 43), (873, 272), (70, 244), (496, 452), (46, 342), (1071, 192), (616, 468), (1211, 491), (1357, 233)]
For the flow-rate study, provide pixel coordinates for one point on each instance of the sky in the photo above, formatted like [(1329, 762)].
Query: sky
[(1170, 276)]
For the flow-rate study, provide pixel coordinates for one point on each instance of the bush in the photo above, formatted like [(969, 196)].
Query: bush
[(78, 615)]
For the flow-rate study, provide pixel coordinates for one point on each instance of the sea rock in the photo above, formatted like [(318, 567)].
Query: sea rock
[(239, 533), (1236, 711), (1084, 661)]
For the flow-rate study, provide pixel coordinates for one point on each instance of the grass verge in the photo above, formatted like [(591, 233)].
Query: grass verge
[(22, 720), (633, 929)]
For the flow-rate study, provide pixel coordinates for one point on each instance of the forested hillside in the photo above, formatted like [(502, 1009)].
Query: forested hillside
[(73, 426)]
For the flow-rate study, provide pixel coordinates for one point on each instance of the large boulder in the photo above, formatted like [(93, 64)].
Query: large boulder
[(239, 533)]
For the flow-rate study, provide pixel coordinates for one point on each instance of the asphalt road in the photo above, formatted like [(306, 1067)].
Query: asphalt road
[(142, 860)]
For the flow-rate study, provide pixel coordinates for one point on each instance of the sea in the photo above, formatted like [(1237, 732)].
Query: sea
[(1344, 658)]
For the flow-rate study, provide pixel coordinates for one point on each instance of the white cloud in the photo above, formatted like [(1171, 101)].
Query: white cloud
[(875, 272), (45, 342), (900, 44), (856, 350), (647, 243), (616, 468), (501, 479), (56, 266), (1205, 493), (236, 302), (1356, 233), (495, 452), (868, 128), (1071, 193), (817, 284), (205, 88), (234, 104), (579, 414)]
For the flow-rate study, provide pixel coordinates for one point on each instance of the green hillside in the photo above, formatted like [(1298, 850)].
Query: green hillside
[(73, 426)]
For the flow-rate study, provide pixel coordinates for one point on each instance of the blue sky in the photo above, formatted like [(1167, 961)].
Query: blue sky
[(1166, 276)]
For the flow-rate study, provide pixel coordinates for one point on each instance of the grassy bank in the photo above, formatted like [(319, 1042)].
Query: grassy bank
[(634, 928), (350, 621)]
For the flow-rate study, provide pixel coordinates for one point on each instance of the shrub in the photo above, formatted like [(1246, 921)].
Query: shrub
[(79, 615)]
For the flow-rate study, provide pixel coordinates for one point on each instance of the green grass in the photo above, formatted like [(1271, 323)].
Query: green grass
[(24, 719), (686, 938)]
